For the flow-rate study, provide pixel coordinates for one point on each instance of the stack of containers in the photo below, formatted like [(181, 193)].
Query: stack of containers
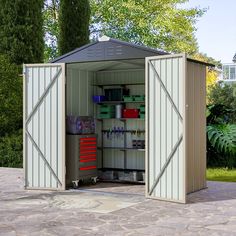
[(142, 111), (107, 111)]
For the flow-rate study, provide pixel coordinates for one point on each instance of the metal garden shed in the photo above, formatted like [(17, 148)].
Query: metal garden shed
[(174, 159)]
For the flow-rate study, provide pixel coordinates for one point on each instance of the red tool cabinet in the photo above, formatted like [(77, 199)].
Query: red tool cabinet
[(81, 159)]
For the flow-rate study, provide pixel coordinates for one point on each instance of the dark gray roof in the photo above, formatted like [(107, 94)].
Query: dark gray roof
[(108, 49)]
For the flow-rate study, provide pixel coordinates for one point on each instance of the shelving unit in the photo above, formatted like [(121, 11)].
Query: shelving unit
[(126, 130)]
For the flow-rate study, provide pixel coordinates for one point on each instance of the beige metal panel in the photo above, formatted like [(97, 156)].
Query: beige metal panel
[(79, 92), (196, 126), (120, 76), (44, 126), (165, 131)]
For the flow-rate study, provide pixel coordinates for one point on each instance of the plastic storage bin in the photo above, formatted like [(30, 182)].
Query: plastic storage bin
[(142, 115), (107, 111), (142, 108), (106, 115), (99, 98), (116, 94), (130, 176), (107, 108), (128, 98), (139, 144), (139, 98), (130, 113), (80, 125)]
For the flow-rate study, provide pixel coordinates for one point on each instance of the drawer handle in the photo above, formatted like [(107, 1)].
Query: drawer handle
[(87, 156), (88, 160), (88, 147), (87, 143), (88, 168), (88, 151)]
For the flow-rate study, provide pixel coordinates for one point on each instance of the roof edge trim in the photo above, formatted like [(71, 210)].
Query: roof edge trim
[(201, 62)]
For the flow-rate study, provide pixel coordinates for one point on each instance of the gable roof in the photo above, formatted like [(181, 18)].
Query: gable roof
[(108, 49)]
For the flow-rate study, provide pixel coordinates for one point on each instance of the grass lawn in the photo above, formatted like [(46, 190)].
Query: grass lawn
[(221, 174)]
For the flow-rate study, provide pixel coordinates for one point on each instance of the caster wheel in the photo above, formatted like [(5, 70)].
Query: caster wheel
[(94, 180), (75, 184)]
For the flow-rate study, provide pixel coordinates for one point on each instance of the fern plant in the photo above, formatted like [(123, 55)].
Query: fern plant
[(223, 138)]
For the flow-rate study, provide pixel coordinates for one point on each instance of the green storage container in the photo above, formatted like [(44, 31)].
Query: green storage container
[(142, 115), (106, 115), (142, 108), (128, 98), (107, 108), (139, 98)]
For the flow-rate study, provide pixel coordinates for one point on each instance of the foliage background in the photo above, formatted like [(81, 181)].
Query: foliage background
[(21, 30), (29, 32), (74, 19), (221, 126), (21, 41), (10, 113)]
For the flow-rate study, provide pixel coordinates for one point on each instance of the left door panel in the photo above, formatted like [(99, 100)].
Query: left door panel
[(44, 126)]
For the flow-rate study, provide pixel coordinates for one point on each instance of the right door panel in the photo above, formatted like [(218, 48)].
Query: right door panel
[(165, 136)]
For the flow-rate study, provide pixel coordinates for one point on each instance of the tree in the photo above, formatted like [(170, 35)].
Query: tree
[(21, 30), (10, 97), (74, 16), (224, 94), (212, 74), (51, 29), (157, 23)]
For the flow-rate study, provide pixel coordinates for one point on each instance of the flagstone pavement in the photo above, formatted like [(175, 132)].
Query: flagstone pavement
[(112, 209)]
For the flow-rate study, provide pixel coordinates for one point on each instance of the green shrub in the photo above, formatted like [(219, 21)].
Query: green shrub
[(221, 143), (223, 138), (10, 97), (224, 95), (11, 154)]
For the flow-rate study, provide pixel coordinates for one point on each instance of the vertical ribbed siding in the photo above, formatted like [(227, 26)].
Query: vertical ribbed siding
[(79, 92), (196, 125), (46, 127), (165, 127)]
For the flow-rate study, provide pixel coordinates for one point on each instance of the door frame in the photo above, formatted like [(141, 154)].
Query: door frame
[(63, 125), (185, 106)]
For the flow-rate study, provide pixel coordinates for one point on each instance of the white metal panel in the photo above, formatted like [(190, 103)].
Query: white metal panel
[(44, 126), (165, 134)]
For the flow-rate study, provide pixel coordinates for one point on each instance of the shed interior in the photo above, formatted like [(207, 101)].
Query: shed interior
[(117, 159)]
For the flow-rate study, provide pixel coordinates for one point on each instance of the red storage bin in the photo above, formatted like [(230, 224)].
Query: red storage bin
[(130, 113)]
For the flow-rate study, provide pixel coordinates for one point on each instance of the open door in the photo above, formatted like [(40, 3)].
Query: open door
[(44, 126), (165, 122)]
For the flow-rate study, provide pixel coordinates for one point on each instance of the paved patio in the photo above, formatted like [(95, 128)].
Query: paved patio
[(108, 209)]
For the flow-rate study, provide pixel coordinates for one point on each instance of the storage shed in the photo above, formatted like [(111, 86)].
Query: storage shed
[(171, 120)]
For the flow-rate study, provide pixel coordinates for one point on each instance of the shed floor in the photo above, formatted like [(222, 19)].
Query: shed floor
[(108, 209)]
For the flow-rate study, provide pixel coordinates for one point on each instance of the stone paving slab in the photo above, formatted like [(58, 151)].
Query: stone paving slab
[(108, 209)]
